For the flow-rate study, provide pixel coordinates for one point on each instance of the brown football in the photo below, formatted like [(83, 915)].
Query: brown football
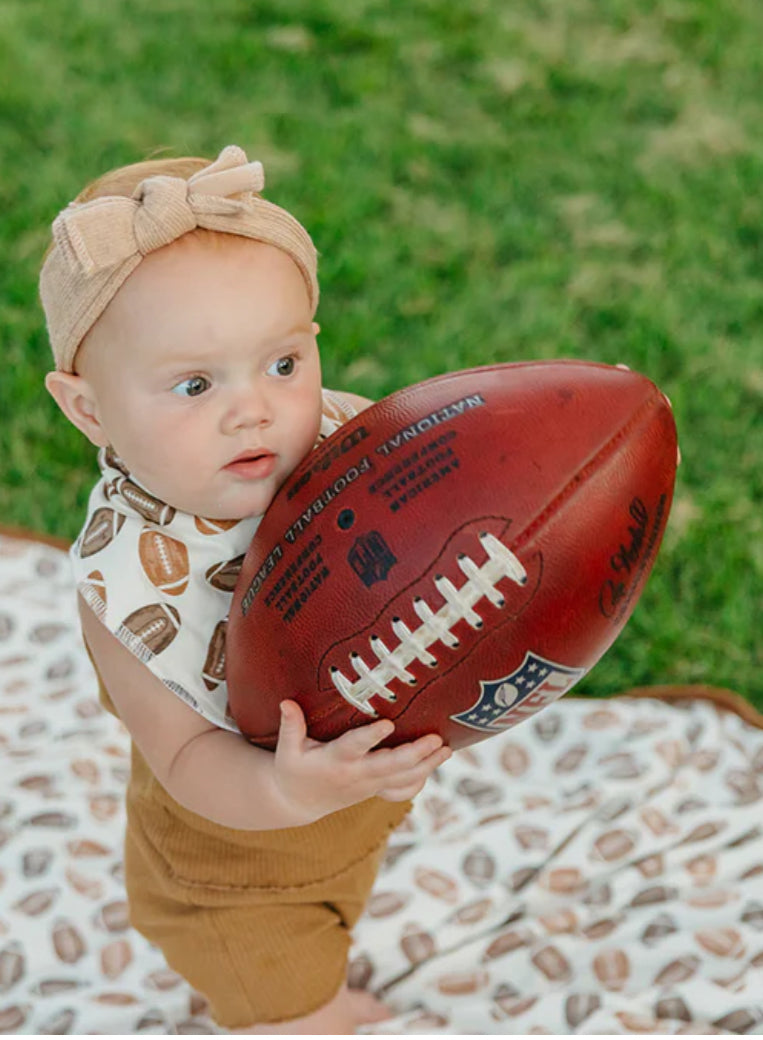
[(455, 557), (164, 560)]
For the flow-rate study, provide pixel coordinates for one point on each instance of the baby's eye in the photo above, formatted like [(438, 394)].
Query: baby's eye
[(283, 367), (192, 387)]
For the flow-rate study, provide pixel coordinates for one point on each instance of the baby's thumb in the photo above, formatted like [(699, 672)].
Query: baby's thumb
[(292, 730)]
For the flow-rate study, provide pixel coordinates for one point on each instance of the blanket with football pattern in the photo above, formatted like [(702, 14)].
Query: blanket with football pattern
[(597, 870)]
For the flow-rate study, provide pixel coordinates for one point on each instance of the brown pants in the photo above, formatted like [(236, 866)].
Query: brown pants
[(257, 921), (255, 960)]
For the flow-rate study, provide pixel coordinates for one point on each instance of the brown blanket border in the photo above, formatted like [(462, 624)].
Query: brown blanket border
[(725, 699), (22, 534)]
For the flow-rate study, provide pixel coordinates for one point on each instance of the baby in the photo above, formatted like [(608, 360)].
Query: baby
[(180, 309)]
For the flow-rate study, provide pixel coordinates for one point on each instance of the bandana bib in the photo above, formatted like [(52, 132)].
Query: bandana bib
[(162, 580)]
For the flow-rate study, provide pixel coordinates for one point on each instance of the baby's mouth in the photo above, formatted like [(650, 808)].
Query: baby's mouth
[(252, 464)]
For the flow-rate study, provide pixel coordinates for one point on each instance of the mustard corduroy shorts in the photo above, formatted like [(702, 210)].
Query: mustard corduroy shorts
[(255, 962), (257, 921)]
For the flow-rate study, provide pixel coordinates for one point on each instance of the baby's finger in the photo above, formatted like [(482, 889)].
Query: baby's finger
[(387, 761), (356, 743), (418, 773), (400, 794), (407, 785)]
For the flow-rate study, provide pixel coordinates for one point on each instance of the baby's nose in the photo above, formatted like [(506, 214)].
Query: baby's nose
[(248, 406)]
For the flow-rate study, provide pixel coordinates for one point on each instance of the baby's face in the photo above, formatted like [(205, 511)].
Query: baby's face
[(206, 373)]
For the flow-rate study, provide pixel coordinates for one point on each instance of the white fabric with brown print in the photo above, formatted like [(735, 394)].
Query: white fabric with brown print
[(162, 580), (598, 870)]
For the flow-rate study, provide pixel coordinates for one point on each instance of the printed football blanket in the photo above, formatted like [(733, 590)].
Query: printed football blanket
[(598, 870)]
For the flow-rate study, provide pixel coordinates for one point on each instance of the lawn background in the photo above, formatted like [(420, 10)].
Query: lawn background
[(485, 182)]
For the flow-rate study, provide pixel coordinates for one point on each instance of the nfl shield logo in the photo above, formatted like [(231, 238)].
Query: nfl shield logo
[(505, 702), (371, 558)]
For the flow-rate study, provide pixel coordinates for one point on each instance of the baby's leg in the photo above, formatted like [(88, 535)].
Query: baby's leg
[(342, 1015)]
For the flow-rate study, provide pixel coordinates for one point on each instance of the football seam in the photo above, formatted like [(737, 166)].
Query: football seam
[(582, 474)]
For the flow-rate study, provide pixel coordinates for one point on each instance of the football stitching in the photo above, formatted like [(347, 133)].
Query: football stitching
[(162, 547), (435, 627)]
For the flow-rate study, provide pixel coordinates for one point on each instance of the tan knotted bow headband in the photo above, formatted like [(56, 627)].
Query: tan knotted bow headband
[(99, 243)]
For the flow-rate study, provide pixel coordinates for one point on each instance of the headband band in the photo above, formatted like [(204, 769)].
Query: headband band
[(98, 244)]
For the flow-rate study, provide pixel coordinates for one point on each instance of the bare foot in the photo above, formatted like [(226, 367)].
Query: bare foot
[(342, 1015)]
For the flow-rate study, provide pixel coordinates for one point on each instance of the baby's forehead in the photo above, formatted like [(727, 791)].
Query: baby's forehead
[(203, 245), (202, 289)]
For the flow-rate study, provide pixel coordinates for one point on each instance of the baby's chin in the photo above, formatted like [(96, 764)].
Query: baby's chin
[(232, 510)]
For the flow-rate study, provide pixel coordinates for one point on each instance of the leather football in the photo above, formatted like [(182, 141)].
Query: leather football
[(457, 556)]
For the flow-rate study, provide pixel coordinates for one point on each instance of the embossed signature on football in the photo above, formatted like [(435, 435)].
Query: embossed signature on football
[(457, 556)]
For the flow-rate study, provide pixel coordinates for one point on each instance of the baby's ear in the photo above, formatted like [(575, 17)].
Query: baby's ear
[(75, 397)]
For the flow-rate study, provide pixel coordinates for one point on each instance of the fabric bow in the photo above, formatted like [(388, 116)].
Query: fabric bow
[(107, 231)]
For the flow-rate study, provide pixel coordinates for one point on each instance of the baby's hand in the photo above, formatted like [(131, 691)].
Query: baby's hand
[(319, 778)]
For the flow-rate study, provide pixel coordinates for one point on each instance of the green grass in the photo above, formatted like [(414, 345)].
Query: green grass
[(484, 181)]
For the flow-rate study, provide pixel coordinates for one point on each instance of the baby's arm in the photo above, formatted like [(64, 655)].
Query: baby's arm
[(221, 776)]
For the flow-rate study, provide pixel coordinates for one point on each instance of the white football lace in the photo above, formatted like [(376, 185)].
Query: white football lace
[(436, 627)]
